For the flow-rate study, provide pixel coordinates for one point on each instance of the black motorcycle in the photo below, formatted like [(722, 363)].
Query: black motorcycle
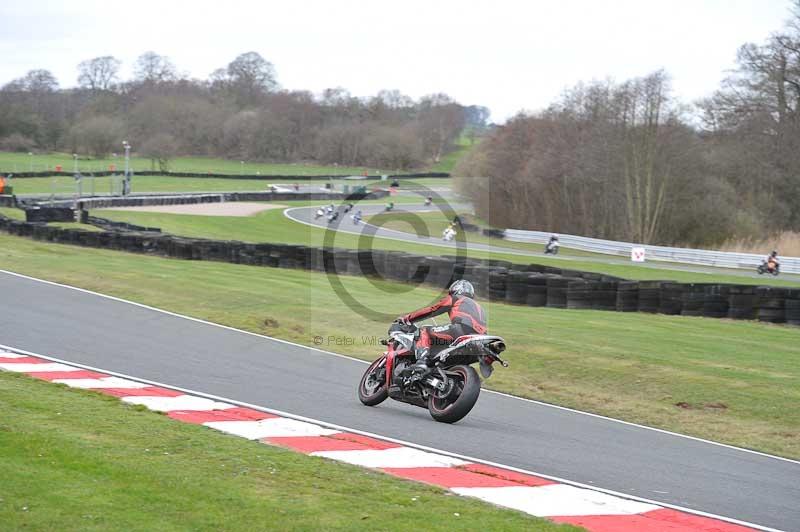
[(764, 267), (448, 390)]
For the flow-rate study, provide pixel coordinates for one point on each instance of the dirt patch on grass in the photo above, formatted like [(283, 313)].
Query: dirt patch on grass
[(233, 208)]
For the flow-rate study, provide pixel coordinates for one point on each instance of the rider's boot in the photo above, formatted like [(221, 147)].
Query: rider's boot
[(423, 359)]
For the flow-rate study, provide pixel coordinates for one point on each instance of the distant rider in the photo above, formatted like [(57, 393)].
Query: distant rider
[(466, 317), (772, 261), (552, 244)]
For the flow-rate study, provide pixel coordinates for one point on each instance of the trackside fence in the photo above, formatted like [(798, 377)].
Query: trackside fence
[(660, 253)]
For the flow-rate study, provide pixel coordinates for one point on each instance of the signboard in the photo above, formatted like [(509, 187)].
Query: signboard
[(637, 254)]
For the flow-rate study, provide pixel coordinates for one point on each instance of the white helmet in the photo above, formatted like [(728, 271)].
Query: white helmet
[(462, 288)]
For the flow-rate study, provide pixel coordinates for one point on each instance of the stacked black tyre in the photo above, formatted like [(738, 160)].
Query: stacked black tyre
[(535, 268), (649, 296), (340, 259), (627, 296), (353, 262), (693, 297), (537, 290), (557, 291), (604, 295), (579, 295), (368, 261), (517, 287), (671, 299), (715, 304), (793, 306), (771, 304), (498, 279), (742, 303), (441, 272), (480, 280)]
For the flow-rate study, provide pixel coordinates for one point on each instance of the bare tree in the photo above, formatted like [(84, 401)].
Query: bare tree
[(98, 74), (160, 149), (248, 78), (39, 81), (98, 135), (643, 115), (153, 68), (441, 120)]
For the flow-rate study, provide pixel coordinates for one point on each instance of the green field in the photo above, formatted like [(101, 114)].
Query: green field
[(78, 460), (14, 214), (273, 226), (449, 160), (61, 186), (39, 162), (728, 381)]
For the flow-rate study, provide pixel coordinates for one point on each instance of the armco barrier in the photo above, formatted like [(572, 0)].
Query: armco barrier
[(720, 259), (499, 281)]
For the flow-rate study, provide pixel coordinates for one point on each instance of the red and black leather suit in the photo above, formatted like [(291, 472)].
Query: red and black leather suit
[(466, 317)]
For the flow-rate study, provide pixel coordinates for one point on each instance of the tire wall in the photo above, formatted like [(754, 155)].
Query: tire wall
[(532, 285)]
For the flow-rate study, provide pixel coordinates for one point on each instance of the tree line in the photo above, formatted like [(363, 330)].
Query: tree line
[(239, 112), (628, 161)]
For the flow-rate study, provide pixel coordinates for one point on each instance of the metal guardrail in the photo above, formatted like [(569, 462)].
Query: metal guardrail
[(721, 259)]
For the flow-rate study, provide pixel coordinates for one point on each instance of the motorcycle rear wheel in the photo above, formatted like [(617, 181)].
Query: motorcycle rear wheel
[(371, 391), (461, 399)]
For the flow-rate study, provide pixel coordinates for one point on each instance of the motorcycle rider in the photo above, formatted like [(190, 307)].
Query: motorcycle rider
[(772, 261), (449, 233), (552, 244), (466, 317)]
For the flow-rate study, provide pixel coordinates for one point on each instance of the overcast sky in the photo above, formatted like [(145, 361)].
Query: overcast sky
[(508, 55)]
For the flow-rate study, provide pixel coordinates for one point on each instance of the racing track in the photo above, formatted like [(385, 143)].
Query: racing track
[(122, 337), (305, 215)]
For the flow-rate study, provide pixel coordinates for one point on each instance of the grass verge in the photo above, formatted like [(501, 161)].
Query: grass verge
[(734, 382), (77, 460)]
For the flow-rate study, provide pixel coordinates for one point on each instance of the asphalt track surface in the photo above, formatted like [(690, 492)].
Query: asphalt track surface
[(306, 215), (121, 337)]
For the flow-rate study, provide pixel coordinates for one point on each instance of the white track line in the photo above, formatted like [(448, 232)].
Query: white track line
[(340, 428)]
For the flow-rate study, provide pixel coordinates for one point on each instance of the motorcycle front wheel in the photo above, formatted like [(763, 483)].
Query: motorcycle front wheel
[(372, 389), (461, 398)]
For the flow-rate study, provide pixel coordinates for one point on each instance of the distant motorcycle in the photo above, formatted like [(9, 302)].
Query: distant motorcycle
[(448, 234), (771, 267), (551, 248), (449, 390), (319, 214)]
